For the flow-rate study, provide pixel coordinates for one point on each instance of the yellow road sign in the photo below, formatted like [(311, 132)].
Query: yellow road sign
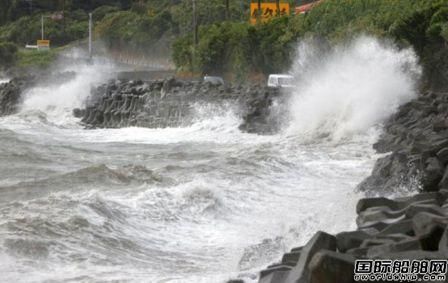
[(268, 11), (43, 43)]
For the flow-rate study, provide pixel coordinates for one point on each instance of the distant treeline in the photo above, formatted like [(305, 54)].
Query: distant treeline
[(227, 43), (238, 48), (15, 9), (123, 25)]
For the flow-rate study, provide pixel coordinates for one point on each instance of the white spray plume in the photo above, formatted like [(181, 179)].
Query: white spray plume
[(57, 100), (351, 88)]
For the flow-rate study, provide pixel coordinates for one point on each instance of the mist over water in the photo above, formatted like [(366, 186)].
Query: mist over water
[(202, 203), (351, 88), (57, 100)]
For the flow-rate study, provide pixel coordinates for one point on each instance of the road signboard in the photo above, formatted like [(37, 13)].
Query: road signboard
[(268, 11)]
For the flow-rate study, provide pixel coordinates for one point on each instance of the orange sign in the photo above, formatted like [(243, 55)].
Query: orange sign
[(306, 8), (43, 43), (268, 11)]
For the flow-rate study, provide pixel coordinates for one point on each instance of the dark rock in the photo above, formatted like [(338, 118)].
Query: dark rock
[(10, 94), (438, 197), (375, 242), (444, 182), (274, 268), (170, 103), (413, 209), (258, 118), (433, 173), (423, 221), (430, 241), (442, 155), (297, 249), (350, 240), (387, 248), (440, 125), (278, 276), (429, 228), (78, 113), (377, 225), (366, 203), (415, 254), (395, 237), (392, 171), (358, 252), (331, 267), (405, 227), (319, 241), (377, 215), (443, 243), (291, 257)]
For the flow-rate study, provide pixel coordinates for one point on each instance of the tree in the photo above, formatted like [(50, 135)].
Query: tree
[(8, 54)]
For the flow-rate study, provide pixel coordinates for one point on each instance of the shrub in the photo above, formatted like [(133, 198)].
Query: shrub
[(8, 54)]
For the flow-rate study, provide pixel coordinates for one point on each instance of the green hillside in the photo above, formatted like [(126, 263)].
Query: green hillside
[(239, 48), (227, 43), (124, 25)]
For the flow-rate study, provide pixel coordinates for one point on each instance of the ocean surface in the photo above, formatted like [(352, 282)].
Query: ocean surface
[(203, 203)]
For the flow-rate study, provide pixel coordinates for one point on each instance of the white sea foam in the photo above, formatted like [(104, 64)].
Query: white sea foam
[(217, 202), (351, 88)]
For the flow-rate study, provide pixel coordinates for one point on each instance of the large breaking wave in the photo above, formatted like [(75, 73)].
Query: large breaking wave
[(193, 204), (351, 88)]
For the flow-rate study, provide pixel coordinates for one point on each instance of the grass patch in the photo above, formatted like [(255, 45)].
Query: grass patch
[(29, 58)]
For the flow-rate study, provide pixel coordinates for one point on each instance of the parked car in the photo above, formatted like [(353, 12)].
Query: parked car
[(214, 80), (280, 80)]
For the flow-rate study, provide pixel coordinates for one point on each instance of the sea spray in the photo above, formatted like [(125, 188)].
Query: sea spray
[(351, 88), (3, 80), (200, 203), (58, 99)]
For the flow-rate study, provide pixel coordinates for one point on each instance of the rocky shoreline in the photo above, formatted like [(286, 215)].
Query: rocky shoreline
[(11, 93), (404, 228), (157, 103), (407, 228), (171, 103), (415, 138)]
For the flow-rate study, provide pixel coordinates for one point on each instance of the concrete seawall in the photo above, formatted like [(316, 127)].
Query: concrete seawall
[(410, 228), (171, 102)]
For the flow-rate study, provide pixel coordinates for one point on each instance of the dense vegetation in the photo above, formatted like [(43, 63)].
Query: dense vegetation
[(227, 43), (132, 26), (20, 24), (8, 54), (236, 48)]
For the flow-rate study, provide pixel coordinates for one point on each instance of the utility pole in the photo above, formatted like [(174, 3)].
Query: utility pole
[(31, 6), (195, 36), (42, 26), (277, 2), (90, 36), (259, 11), (63, 13), (42, 29), (195, 24), (227, 10)]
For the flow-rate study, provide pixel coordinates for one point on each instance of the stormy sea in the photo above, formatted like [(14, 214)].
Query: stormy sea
[(200, 203)]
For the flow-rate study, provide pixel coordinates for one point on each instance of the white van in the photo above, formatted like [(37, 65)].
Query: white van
[(214, 80), (280, 80)]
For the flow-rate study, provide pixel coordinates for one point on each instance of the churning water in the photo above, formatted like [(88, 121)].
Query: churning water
[(197, 204)]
